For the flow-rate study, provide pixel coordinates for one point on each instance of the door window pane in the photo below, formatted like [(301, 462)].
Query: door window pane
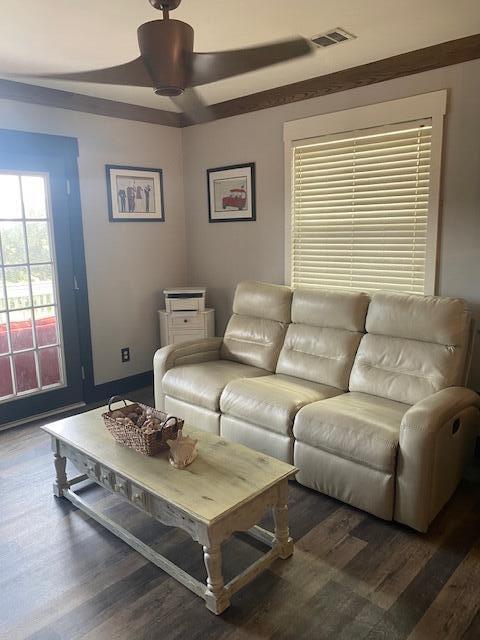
[(46, 326), (10, 199), (18, 287), (4, 345), (25, 371), (38, 242), (3, 302), (31, 352), (34, 200), (42, 285), (21, 330), (6, 386), (12, 237), (49, 366)]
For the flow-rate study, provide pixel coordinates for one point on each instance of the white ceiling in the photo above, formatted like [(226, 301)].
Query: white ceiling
[(76, 35)]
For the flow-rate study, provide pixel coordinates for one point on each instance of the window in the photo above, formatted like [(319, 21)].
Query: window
[(363, 203)]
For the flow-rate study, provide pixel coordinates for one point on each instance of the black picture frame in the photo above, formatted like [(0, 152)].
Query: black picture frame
[(213, 216), (157, 175)]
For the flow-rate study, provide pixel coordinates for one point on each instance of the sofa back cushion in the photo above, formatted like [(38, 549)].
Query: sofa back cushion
[(323, 338), (414, 346), (256, 330)]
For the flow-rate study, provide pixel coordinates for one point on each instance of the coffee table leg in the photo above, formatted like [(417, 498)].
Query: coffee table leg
[(216, 597), (61, 481), (280, 516)]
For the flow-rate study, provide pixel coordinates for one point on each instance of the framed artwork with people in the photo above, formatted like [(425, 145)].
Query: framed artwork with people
[(135, 194)]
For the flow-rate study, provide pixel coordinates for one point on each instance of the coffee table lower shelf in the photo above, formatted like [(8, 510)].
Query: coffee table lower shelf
[(210, 535), (199, 588)]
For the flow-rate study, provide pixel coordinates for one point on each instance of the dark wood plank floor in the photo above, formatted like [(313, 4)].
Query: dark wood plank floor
[(62, 576)]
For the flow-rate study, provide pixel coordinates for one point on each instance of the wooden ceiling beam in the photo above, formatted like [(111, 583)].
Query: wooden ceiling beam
[(48, 97), (434, 57), (426, 59)]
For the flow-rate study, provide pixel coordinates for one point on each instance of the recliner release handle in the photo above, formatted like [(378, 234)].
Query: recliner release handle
[(456, 426)]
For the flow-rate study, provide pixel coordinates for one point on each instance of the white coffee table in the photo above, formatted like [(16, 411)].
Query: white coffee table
[(227, 488)]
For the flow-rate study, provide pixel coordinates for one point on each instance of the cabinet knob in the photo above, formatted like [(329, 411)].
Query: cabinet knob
[(185, 320)]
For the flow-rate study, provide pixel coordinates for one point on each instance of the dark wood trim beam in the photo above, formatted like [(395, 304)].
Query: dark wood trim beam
[(440, 55), (434, 57), (46, 96)]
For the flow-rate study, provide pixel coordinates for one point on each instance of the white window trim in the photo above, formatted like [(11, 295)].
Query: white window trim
[(428, 105)]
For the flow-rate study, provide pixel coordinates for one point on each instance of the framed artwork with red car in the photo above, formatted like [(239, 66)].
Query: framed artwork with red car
[(231, 193)]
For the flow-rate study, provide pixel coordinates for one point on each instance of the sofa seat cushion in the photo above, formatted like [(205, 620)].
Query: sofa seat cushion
[(355, 426), (202, 384), (271, 401)]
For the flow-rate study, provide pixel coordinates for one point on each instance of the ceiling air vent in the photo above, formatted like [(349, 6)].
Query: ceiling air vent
[(333, 36)]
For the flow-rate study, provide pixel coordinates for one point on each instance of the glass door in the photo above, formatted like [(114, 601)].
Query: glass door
[(40, 368)]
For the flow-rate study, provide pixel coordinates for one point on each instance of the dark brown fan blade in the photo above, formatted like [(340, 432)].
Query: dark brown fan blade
[(210, 67), (192, 106), (132, 73)]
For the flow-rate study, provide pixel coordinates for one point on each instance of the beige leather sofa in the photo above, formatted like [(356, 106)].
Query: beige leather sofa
[(365, 395)]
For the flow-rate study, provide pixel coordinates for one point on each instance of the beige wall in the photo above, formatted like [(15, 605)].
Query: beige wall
[(127, 264), (219, 255)]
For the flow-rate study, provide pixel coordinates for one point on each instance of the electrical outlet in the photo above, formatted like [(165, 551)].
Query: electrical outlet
[(125, 351)]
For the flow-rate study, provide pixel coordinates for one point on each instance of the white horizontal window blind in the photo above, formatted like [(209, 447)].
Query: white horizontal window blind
[(360, 208)]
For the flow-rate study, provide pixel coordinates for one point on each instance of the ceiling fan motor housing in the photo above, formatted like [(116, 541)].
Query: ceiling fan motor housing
[(166, 46)]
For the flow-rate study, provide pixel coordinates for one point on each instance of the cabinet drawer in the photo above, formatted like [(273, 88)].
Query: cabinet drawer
[(186, 322), (187, 336)]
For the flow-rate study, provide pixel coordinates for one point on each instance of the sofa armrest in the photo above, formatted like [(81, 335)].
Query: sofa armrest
[(429, 414), (175, 355), (437, 437)]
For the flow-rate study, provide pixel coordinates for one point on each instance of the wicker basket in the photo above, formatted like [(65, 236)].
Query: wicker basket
[(147, 442)]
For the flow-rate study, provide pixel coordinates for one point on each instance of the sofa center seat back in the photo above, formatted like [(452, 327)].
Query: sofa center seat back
[(249, 349), (414, 347), (314, 364), (322, 340)]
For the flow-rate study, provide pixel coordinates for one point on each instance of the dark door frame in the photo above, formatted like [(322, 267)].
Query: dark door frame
[(65, 149)]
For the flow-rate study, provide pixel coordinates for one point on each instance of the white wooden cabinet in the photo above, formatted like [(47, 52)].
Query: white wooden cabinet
[(179, 327)]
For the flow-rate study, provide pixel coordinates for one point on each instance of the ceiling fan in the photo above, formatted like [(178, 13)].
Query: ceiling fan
[(168, 63)]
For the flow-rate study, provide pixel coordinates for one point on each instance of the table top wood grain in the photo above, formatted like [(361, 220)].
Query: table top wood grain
[(223, 477)]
